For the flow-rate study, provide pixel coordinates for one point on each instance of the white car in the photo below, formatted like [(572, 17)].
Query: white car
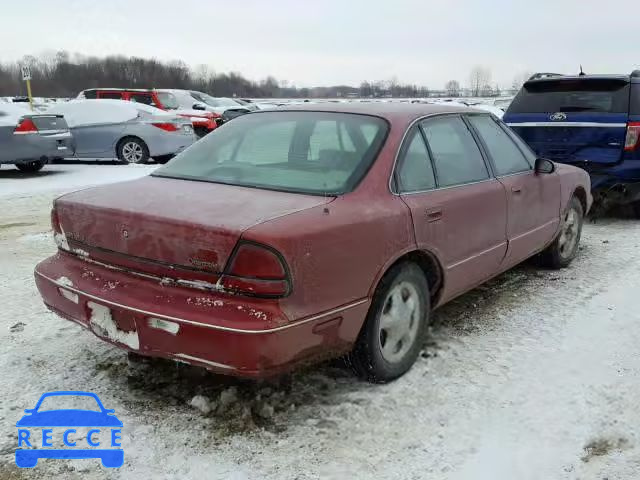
[(192, 99)]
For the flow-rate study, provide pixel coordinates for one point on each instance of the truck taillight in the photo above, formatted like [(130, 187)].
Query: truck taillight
[(256, 270), (166, 126), (25, 126), (633, 135)]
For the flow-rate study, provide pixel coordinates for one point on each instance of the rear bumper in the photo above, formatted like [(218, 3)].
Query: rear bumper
[(615, 185), (612, 191), (228, 334), (39, 147), (170, 144)]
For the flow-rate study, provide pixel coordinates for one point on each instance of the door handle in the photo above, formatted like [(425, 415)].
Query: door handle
[(434, 214), (516, 190)]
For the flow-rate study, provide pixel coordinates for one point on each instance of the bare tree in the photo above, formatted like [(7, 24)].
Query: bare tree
[(479, 78), (520, 79), (453, 88)]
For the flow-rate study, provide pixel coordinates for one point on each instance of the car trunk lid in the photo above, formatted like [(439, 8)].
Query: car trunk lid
[(577, 138), (176, 229), (50, 124)]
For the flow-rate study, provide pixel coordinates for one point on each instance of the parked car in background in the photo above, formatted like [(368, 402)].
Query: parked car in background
[(590, 121), (203, 121), (222, 104), (503, 103), (130, 132), (224, 109), (29, 140), (497, 111), (310, 232)]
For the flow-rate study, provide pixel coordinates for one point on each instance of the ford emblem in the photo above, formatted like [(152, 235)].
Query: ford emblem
[(558, 117)]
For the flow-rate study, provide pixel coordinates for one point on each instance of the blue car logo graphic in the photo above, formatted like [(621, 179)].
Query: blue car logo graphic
[(28, 451)]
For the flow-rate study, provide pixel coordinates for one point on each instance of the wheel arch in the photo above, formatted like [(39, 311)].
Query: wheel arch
[(428, 263), (581, 195), (127, 137)]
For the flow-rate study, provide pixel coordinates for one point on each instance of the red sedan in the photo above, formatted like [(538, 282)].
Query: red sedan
[(289, 236)]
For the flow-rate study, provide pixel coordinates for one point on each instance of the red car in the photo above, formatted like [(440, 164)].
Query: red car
[(203, 122), (289, 236)]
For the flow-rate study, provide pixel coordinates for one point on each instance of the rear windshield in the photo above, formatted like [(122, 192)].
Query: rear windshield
[(576, 95), (168, 100), (307, 152), (634, 108)]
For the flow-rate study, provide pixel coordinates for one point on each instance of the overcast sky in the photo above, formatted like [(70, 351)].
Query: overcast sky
[(327, 42)]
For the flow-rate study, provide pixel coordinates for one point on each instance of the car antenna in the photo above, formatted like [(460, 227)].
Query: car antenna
[(582, 74)]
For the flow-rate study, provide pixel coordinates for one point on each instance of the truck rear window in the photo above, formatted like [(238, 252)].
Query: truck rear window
[(308, 152), (574, 95)]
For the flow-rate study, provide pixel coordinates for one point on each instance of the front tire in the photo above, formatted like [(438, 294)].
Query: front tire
[(565, 247), (395, 327), (132, 150), (31, 167)]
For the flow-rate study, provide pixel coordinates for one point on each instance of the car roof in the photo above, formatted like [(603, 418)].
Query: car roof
[(114, 89), (555, 78), (392, 111)]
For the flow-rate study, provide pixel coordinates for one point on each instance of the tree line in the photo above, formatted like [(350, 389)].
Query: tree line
[(64, 75)]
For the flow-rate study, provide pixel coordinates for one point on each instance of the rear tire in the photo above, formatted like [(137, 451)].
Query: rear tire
[(565, 247), (395, 327), (635, 208), (30, 167), (132, 150)]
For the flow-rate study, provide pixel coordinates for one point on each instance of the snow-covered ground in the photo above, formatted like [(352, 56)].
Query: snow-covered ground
[(533, 376)]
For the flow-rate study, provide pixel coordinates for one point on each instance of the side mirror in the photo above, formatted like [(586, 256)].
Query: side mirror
[(544, 166), (198, 106)]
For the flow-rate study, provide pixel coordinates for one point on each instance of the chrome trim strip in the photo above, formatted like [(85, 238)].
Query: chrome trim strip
[(544, 225), (206, 325), (457, 264), (567, 124), (446, 188), (202, 360)]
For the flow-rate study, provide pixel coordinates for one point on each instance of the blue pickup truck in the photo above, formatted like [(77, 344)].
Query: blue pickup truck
[(590, 121)]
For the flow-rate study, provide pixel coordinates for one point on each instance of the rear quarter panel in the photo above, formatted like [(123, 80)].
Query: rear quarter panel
[(158, 141), (573, 179), (336, 252)]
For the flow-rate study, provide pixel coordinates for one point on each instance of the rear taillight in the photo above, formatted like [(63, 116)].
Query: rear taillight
[(25, 126), (55, 221), (58, 234), (633, 135), (256, 270), (166, 126)]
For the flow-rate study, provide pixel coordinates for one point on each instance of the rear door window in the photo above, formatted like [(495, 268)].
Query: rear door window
[(456, 156), (572, 95), (415, 172), (144, 98), (507, 157)]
